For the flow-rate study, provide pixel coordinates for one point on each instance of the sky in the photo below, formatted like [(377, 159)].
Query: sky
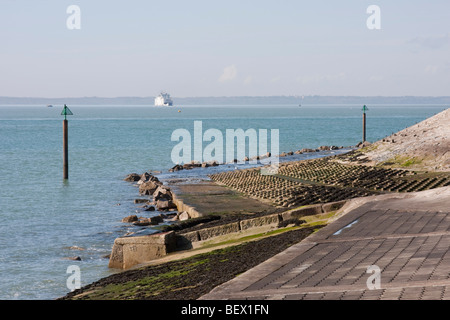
[(224, 48)]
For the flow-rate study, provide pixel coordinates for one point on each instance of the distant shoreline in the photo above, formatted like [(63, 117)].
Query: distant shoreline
[(234, 101)]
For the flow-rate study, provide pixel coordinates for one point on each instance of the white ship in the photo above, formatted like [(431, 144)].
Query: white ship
[(164, 100)]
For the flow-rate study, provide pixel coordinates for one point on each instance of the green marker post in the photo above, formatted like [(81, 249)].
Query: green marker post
[(66, 112), (364, 109)]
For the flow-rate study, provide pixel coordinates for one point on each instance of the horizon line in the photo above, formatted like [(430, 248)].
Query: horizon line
[(235, 96)]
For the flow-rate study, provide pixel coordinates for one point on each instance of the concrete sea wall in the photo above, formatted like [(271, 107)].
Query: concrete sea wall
[(131, 251)]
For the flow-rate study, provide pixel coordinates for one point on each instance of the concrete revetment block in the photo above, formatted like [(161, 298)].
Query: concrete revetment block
[(218, 231), (302, 212), (333, 206), (272, 219), (185, 240), (130, 251)]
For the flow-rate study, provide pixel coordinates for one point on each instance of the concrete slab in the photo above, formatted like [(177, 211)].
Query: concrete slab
[(207, 197)]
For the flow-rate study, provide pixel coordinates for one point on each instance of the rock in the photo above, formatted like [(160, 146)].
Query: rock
[(149, 187), (132, 177), (188, 166), (155, 220), (165, 205), (136, 201), (168, 215), (298, 152), (307, 150), (177, 167), (142, 222), (131, 218), (145, 177), (183, 216), (324, 148), (162, 193), (213, 163), (77, 258), (334, 148), (75, 248), (151, 208)]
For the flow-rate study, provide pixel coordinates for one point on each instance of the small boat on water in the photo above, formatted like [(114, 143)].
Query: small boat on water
[(49, 106)]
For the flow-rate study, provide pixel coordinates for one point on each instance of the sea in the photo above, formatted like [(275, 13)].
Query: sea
[(45, 220)]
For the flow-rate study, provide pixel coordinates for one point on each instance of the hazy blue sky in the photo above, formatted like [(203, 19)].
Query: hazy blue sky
[(224, 48)]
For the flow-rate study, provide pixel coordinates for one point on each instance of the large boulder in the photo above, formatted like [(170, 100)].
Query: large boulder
[(130, 219), (149, 187), (183, 216), (155, 220), (145, 176), (162, 193), (165, 205)]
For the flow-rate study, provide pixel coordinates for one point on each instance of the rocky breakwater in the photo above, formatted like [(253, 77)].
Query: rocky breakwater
[(131, 250), (195, 164), (161, 199)]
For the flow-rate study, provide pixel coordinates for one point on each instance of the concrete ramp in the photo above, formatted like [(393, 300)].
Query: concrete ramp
[(394, 246)]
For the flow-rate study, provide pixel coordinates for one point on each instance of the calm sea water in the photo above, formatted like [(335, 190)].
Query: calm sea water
[(41, 216)]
